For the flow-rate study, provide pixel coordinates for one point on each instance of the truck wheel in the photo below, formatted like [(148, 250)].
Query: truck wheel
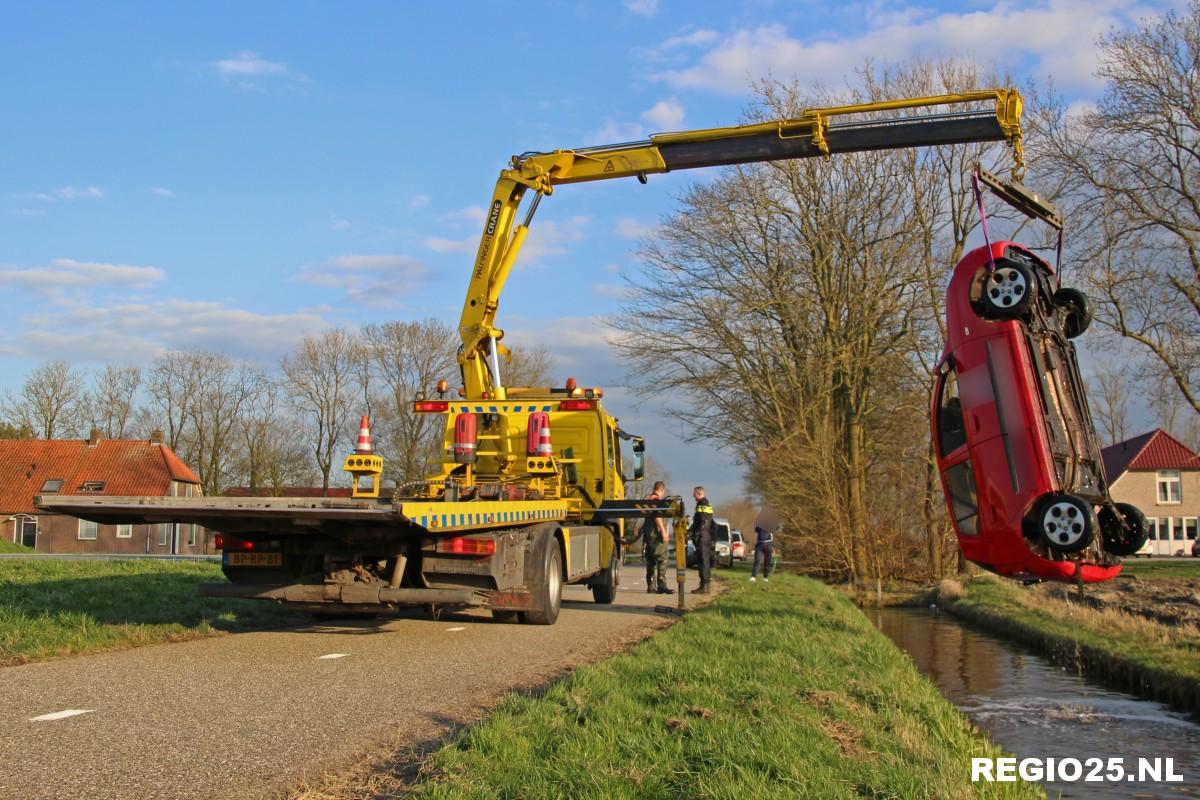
[(549, 594), (1007, 291), (1126, 535), (604, 589), (1067, 522)]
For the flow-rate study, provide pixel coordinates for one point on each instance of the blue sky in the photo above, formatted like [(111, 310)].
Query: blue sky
[(234, 175)]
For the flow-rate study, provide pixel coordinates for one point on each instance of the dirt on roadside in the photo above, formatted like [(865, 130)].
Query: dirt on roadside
[(1171, 601)]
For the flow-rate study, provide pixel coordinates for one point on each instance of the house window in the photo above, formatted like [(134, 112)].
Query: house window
[(1170, 487), (192, 535), (1151, 529), (88, 529), (52, 485), (25, 530), (92, 486), (124, 531), (1164, 529), (1189, 529), (164, 534)]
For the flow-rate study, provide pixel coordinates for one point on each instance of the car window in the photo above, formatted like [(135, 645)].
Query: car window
[(952, 433), (960, 480)]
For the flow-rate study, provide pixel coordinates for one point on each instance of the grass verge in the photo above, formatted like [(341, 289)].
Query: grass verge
[(773, 690), (12, 547), (1151, 569), (58, 608), (1133, 653)]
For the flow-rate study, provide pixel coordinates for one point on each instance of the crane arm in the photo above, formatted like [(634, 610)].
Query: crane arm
[(984, 116)]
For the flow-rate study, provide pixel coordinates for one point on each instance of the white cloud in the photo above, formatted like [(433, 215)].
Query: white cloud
[(549, 238), (1053, 37), (337, 223), (440, 245), (697, 38), (161, 192), (250, 71), (611, 291), (628, 228), (471, 215), (29, 212), (71, 193), (66, 274), (665, 115), (418, 201), (641, 8), (377, 281), (612, 132)]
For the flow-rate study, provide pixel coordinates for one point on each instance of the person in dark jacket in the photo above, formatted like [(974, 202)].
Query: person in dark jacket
[(764, 543), (655, 541), (701, 534)]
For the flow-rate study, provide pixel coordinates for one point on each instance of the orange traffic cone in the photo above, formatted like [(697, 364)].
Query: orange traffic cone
[(364, 436)]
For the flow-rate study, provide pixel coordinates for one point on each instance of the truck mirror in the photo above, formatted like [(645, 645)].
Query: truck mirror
[(639, 464)]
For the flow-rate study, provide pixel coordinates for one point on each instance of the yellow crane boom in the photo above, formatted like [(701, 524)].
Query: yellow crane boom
[(982, 116)]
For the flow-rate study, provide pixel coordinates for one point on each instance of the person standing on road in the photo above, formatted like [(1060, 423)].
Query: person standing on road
[(764, 543), (701, 533), (656, 539)]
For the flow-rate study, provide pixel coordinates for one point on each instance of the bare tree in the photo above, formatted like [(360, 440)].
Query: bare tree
[(528, 366), (1110, 395), (111, 401), (320, 384), (408, 358), (172, 385), (50, 401), (1131, 166)]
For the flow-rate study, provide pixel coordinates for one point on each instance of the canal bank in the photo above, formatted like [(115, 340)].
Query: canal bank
[(1131, 653), (1034, 708)]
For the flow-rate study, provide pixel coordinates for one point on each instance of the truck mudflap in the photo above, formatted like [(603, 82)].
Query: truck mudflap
[(348, 595)]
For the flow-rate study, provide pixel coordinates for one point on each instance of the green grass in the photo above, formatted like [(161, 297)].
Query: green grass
[(1139, 653), (12, 547), (780, 690), (56, 608), (1162, 569)]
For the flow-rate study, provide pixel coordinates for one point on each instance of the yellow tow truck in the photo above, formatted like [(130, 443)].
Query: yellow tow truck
[(531, 494)]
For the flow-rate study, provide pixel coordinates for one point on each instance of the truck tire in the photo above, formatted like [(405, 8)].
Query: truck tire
[(604, 585), (549, 590)]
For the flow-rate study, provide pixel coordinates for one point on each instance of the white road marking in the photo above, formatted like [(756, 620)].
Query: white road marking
[(332, 655), (449, 630), (70, 712)]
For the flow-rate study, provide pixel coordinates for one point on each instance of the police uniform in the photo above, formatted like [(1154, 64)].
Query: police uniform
[(701, 533), (655, 552)]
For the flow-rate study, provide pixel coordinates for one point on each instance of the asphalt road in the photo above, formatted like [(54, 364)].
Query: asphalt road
[(246, 715)]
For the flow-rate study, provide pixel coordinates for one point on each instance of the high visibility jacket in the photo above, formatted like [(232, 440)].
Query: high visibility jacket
[(702, 524)]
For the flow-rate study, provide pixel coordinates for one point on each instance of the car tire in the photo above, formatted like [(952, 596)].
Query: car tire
[(1007, 290), (506, 616), (1078, 309), (549, 591), (1066, 523), (1123, 535)]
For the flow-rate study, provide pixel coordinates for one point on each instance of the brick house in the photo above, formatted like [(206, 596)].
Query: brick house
[(1161, 476), (29, 467)]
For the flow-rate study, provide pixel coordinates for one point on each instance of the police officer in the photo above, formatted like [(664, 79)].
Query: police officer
[(701, 534), (655, 539)]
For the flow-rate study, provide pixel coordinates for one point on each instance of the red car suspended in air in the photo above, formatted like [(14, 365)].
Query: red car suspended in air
[(1015, 444)]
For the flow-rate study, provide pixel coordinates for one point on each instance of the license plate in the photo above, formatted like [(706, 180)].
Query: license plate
[(255, 559)]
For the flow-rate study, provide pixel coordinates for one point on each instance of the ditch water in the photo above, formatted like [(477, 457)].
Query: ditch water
[(1035, 709)]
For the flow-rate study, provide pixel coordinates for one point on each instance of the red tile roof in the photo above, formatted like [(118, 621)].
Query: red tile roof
[(287, 491), (125, 467), (1154, 450)]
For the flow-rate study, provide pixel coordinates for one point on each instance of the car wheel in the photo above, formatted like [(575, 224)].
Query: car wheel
[(1125, 534), (1067, 523), (1007, 290), (549, 594), (1078, 308), (506, 616)]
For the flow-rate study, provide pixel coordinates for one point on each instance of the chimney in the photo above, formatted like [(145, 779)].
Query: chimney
[(94, 437), (156, 436)]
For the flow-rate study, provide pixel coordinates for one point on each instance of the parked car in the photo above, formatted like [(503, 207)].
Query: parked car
[(738, 545), (722, 537), (1017, 451)]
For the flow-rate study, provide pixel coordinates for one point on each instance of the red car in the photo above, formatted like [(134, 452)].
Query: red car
[(1015, 444)]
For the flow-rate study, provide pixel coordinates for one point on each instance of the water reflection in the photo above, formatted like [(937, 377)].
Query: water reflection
[(1032, 708)]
